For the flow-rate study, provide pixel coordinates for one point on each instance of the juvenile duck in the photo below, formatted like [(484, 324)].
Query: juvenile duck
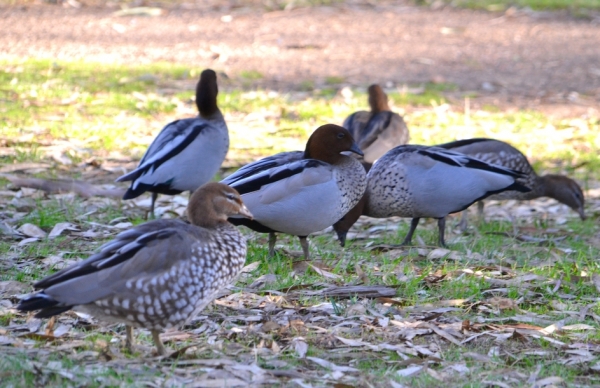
[(157, 275), (419, 181), (559, 187), (378, 131), (300, 193), (186, 153)]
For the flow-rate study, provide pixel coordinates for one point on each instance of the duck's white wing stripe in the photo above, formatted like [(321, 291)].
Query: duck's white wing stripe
[(263, 178), (461, 160), (173, 139), (261, 165), (174, 143)]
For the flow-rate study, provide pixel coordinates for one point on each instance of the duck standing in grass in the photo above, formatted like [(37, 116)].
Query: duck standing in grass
[(378, 131), (300, 193), (157, 275), (419, 181), (559, 187), (186, 153)]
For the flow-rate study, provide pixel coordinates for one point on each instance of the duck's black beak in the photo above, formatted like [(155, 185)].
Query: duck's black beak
[(581, 213), (356, 149)]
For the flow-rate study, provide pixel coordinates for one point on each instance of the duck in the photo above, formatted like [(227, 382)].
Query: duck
[(378, 131), (419, 181), (559, 187), (302, 192), (157, 275), (187, 153)]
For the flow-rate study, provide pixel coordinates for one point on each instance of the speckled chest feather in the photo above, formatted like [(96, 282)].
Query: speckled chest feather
[(387, 182), (352, 183)]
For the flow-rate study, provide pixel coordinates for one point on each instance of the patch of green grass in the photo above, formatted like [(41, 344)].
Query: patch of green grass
[(19, 370), (251, 75), (102, 108), (81, 101), (332, 80), (306, 86)]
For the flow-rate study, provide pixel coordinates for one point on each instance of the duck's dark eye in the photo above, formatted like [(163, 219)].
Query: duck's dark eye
[(230, 196), (341, 135)]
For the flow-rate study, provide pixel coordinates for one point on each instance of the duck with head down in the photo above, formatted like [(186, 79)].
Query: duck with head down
[(419, 181), (157, 275), (300, 193), (559, 187)]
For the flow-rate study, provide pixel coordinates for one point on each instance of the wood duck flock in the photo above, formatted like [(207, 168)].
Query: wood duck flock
[(162, 273)]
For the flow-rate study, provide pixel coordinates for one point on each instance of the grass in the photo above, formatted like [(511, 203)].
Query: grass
[(116, 110), (104, 109)]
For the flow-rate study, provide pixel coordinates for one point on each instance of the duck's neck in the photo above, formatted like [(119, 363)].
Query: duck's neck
[(378, 101), (206, 101), (547, 187), (365, 203)]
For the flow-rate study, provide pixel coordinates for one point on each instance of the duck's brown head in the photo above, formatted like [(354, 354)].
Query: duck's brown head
[(213, 203), (378, 100), (565, 190), (206, 94), (328, 142)]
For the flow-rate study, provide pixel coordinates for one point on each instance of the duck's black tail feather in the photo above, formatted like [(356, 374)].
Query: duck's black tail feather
[(48, 307)]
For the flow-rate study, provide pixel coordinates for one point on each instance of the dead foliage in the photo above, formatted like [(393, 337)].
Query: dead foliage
[(355, 315)]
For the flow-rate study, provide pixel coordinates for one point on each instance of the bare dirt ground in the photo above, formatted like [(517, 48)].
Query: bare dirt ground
[(519, 58)]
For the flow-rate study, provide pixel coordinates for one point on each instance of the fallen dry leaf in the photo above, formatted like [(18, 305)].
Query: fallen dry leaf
[(59, 228), (31, 230)]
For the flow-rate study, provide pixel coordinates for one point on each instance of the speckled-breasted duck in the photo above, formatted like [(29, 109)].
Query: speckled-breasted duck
[(378, 131), (300, 193), (186, 153), (559, 187), (419, 181), (157, 275)]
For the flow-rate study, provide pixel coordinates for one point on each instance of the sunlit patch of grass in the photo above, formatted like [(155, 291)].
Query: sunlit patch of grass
[(105, 108), (333, 79), (83, 101), (251, 75)]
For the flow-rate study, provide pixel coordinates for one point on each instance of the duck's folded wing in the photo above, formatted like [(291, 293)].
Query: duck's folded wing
[(462, 143), (265, 164), (135, 264), (356, 122), (461, 160), (492, 151), (173, 139), (124, 247), (285, 180), (378, 123)]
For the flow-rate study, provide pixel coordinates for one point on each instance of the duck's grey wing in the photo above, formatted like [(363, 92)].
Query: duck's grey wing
[(265, 164), (173, 139), (492, 151), (356, 123), (124, 247)]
